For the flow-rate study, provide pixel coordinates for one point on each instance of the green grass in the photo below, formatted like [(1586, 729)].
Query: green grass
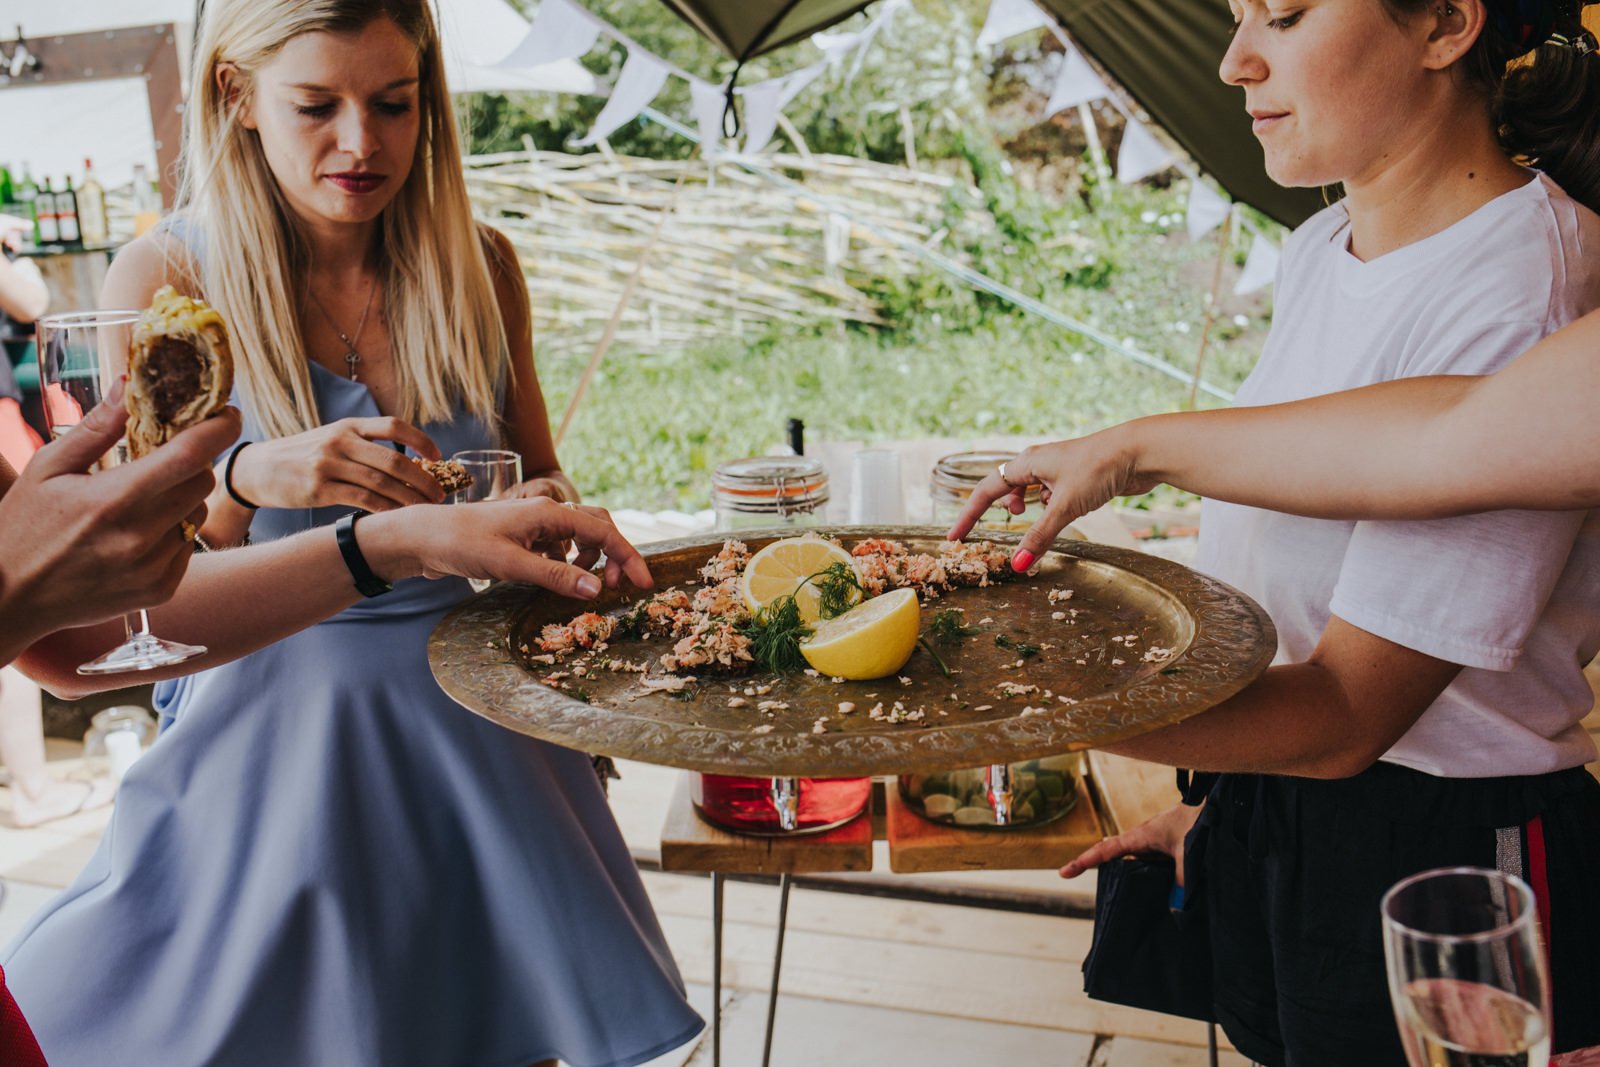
[(655, 424)]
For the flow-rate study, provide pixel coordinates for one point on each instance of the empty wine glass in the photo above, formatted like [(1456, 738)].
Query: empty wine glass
[(1467, 971), (495, 472), (80, 354)]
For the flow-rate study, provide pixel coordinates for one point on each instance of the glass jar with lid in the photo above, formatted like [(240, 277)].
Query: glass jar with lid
[(956, 476), (751, 493), (115, 739), (1002, 796), (769, 491)]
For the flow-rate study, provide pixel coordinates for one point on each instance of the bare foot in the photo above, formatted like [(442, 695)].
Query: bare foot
[(59, 800)]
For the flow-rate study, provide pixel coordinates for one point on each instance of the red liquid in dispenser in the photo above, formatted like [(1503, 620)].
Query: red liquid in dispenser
[(746, 805)]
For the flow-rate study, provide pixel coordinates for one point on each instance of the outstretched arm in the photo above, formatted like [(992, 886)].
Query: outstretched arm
[(238, 601), (1417, 448)]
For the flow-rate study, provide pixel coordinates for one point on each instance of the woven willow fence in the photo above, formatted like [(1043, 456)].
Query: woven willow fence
[(735, 252)]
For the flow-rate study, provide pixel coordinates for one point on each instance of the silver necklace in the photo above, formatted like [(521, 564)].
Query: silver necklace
[(351, 355)]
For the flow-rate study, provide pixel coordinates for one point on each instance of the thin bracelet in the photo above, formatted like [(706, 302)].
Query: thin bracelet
[(227, 477), (367, 583)]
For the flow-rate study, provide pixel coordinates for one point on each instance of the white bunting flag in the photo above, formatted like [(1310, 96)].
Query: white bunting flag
[(709, 102), (561, 30), (885, 13), (1207, 209), (1140, 155), (1007, 18), (1076, 84), (641, 79), (1260, 268), (761, 113), (834, 45), (795, 82)]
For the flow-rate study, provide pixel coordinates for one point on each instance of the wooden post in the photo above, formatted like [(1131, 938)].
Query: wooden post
[(1224, 232), (1097, 152), (908, 137), (610, 332)]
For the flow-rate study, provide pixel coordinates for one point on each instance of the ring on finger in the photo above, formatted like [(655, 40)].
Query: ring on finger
[(188, 529)]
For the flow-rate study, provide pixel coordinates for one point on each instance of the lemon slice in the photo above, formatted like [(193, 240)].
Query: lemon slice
[(871, 640), (780, 568)]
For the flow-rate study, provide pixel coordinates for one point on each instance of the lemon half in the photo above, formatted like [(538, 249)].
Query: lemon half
[(780, 568), (872, 640)]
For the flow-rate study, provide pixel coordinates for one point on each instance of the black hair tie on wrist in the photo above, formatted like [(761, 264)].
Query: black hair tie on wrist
[(227, 477), (367, 583)]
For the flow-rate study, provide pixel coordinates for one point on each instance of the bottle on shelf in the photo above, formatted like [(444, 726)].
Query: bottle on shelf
[(146, 201), (45, 231), (26, 191), (92, 208), (7, 192), (67, 214)]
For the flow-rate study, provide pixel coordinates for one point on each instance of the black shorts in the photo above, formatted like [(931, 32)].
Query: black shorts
[(1294, 870)]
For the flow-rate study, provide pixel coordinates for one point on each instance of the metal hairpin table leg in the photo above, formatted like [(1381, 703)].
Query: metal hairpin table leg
[(777, 964), (716, 969), (1211, 1043)]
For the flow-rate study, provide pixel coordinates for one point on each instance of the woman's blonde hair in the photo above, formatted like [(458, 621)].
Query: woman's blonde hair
[(447, 339)]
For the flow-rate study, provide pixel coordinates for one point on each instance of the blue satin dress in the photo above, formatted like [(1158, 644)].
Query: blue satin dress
[(325, 860)]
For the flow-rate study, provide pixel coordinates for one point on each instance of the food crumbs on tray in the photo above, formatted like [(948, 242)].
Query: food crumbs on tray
[(772, 705), (1058, 616), (1030, 711), (763, 690), (984, 707), (985, 621), (846, 707), (1118, 662), (737, 702), (546, 660), (903, 680), (764, 728), (1155, 654), (836, 680)]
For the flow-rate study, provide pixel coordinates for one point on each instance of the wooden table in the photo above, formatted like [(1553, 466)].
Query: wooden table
[(689, 843)]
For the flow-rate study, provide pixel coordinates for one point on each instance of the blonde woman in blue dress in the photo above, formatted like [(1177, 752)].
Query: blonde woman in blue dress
[(324, 860)]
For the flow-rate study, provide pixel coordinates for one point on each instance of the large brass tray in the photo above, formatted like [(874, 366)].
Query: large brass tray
[(1220, 641)]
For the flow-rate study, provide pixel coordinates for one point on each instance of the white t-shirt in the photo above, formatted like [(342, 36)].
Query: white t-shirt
[(1513, 596)]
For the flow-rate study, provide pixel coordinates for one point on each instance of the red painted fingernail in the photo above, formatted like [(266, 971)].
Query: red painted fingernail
[(1022, 561)]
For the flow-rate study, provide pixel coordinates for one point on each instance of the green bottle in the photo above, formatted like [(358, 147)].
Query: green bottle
[(26, 192), (7, 193)]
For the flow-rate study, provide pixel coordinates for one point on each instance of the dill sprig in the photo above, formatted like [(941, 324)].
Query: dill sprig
[(775, 633), (631, 622), (927, 646), (838, 589), (1021, 648), (948, 627)]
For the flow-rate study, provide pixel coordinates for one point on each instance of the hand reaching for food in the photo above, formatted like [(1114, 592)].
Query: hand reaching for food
[(1075, 477), (349, 463)]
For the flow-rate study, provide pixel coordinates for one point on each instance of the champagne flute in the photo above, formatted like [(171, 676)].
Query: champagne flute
[(495, 472), (1467, 971), (80, 353)]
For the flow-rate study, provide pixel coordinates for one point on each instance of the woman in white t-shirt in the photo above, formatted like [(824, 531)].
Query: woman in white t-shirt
[(1425, 706)]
